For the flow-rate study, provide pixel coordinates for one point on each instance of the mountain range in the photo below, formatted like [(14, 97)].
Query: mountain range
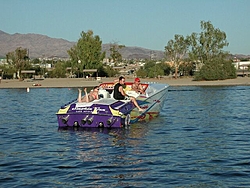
[(42, 46)]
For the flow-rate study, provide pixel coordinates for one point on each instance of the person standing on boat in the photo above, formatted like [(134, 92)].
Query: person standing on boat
[(119, 93), (93, 95), (137, 87)]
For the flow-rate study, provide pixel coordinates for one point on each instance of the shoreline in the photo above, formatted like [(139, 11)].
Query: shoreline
[(81, 82)]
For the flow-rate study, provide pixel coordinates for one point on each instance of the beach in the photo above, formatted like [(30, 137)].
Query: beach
[(82, 82)]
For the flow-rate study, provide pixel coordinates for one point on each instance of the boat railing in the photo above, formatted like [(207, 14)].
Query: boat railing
[(155, 88), (71, 102)]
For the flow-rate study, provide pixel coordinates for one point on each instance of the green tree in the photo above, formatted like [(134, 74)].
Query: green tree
[(115, 55), (176, 50), (35, 61), (142, 72), (87, 53), (152, 69), (149, 69), (165, 67), (206, 50), (216, 70), (187, 68), (19, 60), (59, 71), (108, 71), (8, 71), (208, 44)]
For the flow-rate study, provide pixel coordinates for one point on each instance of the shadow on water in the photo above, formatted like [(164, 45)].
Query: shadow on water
[(134, 130), (90, 129), (128, 136)]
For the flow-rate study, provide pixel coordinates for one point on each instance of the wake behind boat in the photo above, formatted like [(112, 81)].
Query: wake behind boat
[(109, 112)]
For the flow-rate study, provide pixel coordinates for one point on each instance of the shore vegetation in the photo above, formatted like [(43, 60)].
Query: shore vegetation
[(198, 55)]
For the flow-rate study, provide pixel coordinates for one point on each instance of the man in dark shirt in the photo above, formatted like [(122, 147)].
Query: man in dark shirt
[(119, 93)]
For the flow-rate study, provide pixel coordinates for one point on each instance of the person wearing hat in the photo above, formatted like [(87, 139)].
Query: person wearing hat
[(119, 93), (136, 86)]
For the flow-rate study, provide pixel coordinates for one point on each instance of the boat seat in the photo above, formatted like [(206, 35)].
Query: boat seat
[(112, 94), (103, 93), (132, 93)]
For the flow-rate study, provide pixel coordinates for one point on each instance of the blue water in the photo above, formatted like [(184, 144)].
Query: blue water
[(201, 139)]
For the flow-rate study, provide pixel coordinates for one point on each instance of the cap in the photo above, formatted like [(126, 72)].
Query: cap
[(137, 79)]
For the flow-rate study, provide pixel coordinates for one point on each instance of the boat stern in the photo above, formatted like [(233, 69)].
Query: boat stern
[(102, 113)]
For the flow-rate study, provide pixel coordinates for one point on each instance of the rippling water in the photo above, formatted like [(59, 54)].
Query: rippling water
[(201, 139)]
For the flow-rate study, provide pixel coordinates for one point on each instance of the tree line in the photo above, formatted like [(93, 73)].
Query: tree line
[(200, 55)]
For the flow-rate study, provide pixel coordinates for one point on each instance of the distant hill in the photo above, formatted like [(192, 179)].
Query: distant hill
[(38, 45), (43, 46)]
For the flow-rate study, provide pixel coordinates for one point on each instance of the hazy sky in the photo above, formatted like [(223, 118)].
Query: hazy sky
[(143, 23)]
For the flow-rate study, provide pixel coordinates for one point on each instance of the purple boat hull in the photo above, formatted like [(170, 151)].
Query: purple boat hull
[(100, 113)]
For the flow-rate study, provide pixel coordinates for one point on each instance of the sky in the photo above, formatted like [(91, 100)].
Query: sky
[(143, 23)]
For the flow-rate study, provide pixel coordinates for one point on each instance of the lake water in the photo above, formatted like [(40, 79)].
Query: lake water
[(201, 139)]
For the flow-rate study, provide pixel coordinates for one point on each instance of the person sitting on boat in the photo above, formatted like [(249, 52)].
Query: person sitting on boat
[(119, 93), (93, 95), (137, 87)]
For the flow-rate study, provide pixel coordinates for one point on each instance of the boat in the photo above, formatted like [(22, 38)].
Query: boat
[(107, 112)]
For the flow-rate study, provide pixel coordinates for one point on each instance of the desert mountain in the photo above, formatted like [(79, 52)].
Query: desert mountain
[(43, 46)]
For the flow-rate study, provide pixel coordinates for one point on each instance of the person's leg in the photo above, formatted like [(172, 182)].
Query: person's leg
[(135, 103), (86, 95), (85, 98), (79, 95)]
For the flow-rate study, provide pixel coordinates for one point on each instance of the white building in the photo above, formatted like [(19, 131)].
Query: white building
[(241, 65)]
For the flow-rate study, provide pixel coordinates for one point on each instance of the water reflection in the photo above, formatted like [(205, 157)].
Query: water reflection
[(108, 150), (201, 139)]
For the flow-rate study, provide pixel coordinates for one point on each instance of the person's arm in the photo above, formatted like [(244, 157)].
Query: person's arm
[(122, 91), (141, 90), (133, 87), (138, 89), (97, 95)]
